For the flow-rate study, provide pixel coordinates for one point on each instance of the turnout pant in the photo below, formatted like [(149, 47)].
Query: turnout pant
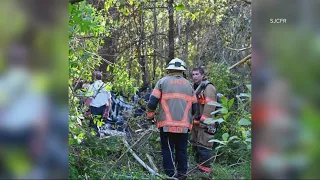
[(200, 145), (174, 153)]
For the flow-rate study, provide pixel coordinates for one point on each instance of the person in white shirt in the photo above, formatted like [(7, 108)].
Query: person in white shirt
[(99, 100)]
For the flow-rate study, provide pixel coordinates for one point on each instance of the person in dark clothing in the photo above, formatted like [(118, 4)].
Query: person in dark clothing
[(175, 94)]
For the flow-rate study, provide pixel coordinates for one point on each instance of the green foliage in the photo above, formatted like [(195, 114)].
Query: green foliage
[(244, 122), (96, 152), (179, 7), (222, 78), (115, 31), (121, 81), (226, 172), (84, 21), (235, 133)]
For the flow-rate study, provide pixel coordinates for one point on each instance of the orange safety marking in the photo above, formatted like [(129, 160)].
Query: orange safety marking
[(179, 96), (205, 169), (209, 100), (175, 129), (166, 110), (203, 117), (186, 111), (178, 81), (150, 114), (202, 101), (173, 123), (195, 98), (176, 123), (196, 122), (156, 93)]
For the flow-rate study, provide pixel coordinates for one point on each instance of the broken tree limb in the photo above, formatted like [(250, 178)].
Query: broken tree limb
[(140, 161), (137, 158), (147, 131), (238, 49), (152, 163), (240, 62)]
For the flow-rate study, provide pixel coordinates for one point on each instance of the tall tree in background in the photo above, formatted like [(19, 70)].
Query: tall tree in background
[(131, 41), (171, 30), (140, 35), (155, 42)]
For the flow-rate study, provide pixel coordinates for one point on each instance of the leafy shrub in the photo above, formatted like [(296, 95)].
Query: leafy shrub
[(234, 136)]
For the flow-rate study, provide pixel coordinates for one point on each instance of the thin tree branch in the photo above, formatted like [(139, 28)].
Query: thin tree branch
[(204, 162), (160, 7), (89, 37), (140, 161), (236, 164), (98, 56), (152, 163), (239, 49), (240, 62), (104, 36), (146, 132)]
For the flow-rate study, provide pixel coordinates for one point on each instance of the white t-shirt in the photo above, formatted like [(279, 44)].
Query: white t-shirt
[(103, 96), (21, 104)]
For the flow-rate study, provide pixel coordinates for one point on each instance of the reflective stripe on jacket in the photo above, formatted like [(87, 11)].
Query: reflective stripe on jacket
[(175, 95), (208, 95)]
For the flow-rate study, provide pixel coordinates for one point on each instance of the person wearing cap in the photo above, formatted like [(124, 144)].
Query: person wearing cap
[(175, 94)]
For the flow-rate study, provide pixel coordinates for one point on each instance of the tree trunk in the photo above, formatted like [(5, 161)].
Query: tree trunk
[(164, 63), (155, 42), (179, 34), (198, 50), (142, 52), (130, 62), (108, 50), (186, 48), (161, 61), (171, 30)]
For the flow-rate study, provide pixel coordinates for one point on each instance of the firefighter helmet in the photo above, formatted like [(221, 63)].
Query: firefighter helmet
[(176, 64)]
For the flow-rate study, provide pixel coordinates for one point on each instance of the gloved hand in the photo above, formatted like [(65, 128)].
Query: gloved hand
[(196, 120), (210, 129), (151, 117), (151, 121)]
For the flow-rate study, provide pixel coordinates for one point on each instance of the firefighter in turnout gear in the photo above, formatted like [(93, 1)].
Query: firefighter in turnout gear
[(202, 133), (177, 99)]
